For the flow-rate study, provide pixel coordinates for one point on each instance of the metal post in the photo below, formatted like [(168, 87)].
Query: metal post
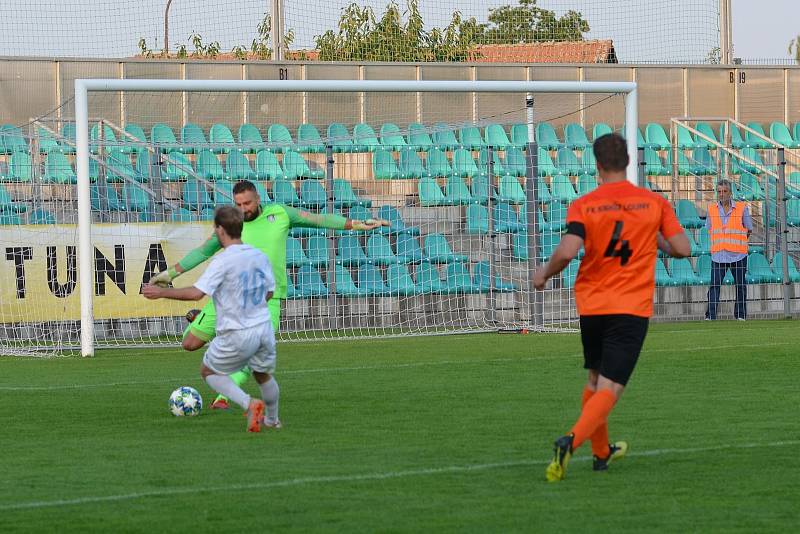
[(783, 233), (641, 171), (85, 255), (492, 304), (532, 224), (166, 28), (631, 130), (276, 17), (102, 175), (765, 216), (333, 311)]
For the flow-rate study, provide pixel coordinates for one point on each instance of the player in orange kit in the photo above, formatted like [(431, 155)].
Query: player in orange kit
[(620, 226)]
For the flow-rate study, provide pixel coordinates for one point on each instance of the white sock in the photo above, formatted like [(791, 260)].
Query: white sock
[(271, 393), (225, 385)]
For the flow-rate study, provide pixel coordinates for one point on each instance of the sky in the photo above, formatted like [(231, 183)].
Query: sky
[(763, 28)]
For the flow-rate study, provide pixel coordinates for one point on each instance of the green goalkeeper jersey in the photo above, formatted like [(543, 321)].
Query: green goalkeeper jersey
[(268, 233)]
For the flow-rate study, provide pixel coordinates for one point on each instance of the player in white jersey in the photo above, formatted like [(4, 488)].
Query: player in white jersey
[(240, 281)]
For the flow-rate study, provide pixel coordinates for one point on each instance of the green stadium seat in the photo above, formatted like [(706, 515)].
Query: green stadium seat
[(309, 141), (586, 184), (109, 138), (497, 163), (283, 192), (20, 168), (136, 132), (457, 192), (221, 139), (291, 290), (309, 282), (250, 139), (511, 191), (119, 167), (267, 166), (780, 133), (58, 170), (749, 188), (437, 250), (641, 142), (663, 277), (542, 191), (438, 165), (546, 166), (7, 204), (430, 194), (408, 248), (477, 219), (548, 241), (737, 141), (223, 193), (519, 136), (793, 212), (703, 242), (428, 279), (384, 167), (209, 166), (654, 166), (600, 129), (193, 138), (295, 256), (703, 269), (349, 252), (411, 165), (399, 281), (759, 270), (134, 198), (237, 167), (753, 140), (463, 163), (546, 137), (777, 268), (495, 136), (179, 168), (515, 163), (686, 140), (144, 167), (588, 162), (110, 196), (12, 140), (708, 131), (687, 214), (195, 196), (506, 219), (479, 189), (739, 166), (567, 161), (41, 216), (519, 245), (8, 219), (391, 138), (312, 195), (419, 140), (279, 138), (47, 140), (364, 138), (206, 214), (379, 250), (570, 274), (458, 281), (706, 164), (556, 216), (164, 139), (682, 272), (344, 283), (657, 137), (68, 145), (294, 166), (317, 250), (345, 197), (481, 279), (796, 132), (469, 138), (575, 137), (562, 189), (340, 138), (444, 138), (371, 282)]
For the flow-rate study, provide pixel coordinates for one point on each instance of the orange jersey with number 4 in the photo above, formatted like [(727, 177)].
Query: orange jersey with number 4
[(620, 222)]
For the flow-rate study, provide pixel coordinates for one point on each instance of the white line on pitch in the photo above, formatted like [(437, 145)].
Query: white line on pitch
[(453, 469), (385, 367)]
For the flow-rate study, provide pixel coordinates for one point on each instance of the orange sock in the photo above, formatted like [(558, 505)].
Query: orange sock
[(594, 413), (600, 436)]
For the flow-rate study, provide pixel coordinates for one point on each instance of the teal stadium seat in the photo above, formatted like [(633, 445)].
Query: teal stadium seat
[(546, 137), (179, 168), (349, 252), (268, 167), (295, 167), (419, 140), (340, 139), (437, 250), (20, 168), (463, 163), (195, 196), (657, 137), (384, 167), (68, 145), (136, 199), (479, 188), (495, 136), (777, 268), (345, 285), (279, 138), (506, 219), (7, 204), (209, 166), (345, 197), (497, 163), (708, 131), (312, 195), (458, 281), (575, 137), (430, 194), (119, 167), (654, 166), (41, 216), (780, 133), (444, 138), (391, 138), (283, 192), (396, 223), (519, 136), (481, 279), (469, 138), (250, 139), (309, 282), (408, 248), (47, 140), (586, 184), (371, 282), (317, 250), (600, 129), (193, 138), (379, 250), (428, 280), (237, 167), (399, 281), (437, 164), (759, 270), (456, 191), (510, 190), (682, 272), (136, 132), (364, 138), (309, 140), (58, 170), (295, 255), (755, 141), (686, 140), (221, 139), (164, 139), (562, 189), (411, 165), (515, 162), (477, 219), (687, 214)]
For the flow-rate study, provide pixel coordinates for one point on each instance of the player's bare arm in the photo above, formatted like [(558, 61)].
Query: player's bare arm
[(567, 250), (154, 292), (676, 246)]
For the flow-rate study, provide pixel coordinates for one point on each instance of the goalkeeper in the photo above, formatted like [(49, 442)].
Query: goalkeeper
[(266, 228)]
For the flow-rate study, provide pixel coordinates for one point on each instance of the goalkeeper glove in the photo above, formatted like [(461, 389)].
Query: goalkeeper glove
[(369, 224), (164, 278)]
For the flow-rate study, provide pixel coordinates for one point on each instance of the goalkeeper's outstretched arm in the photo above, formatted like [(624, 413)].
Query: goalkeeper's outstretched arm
[(188, 262), (337, 222)]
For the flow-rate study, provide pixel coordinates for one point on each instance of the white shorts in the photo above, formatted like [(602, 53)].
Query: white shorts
[(250, 347)]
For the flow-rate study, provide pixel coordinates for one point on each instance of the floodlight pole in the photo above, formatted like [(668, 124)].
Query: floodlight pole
[(166, 28)]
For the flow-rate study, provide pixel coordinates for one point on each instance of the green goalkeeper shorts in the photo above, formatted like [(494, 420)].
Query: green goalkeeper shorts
[(204, 325)]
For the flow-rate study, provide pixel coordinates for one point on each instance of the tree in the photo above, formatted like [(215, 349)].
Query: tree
[(528, 23), (795, 44)]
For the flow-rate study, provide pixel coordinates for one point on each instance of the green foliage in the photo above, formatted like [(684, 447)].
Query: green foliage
[(402, 36), (239, 52), (143, 49), (794, 49), (260, 46)]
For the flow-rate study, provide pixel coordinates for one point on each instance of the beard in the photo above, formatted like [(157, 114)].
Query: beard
[(252, 216)]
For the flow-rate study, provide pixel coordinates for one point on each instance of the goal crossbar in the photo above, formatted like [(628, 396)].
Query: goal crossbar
[(84, 86)]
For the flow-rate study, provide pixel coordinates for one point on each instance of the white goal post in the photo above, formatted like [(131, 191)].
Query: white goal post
[(83, 87)]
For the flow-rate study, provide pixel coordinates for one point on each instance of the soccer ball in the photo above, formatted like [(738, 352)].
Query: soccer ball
[(185, 401)]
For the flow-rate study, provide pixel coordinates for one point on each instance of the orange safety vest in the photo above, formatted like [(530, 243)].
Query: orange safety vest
[(732, 236)]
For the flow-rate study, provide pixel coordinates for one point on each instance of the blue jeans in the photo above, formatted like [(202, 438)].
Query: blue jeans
[(718, 270)]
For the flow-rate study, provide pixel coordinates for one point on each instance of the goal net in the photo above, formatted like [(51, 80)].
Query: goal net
[(474, 204)]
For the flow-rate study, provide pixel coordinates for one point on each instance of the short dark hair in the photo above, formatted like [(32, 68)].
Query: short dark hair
[(725, 183), (244, 185), (611, 152), (231, 219)]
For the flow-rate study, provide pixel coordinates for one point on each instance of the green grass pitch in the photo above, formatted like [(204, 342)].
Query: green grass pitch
[(447, 433)]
